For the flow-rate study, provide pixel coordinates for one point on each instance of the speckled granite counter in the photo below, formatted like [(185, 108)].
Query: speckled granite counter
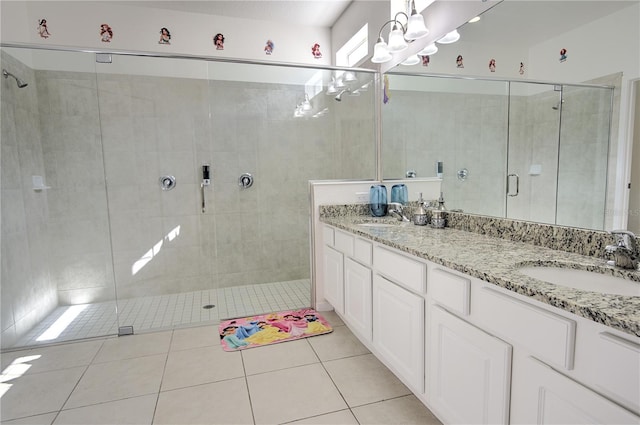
[(497, 261)]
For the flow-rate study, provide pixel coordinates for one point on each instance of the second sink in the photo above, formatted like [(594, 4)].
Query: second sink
[(583, 280)]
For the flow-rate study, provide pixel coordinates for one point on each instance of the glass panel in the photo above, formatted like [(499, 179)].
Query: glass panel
[(584, 146), (57, 275), (534, 123), (461, 123), (262, 125), (155, 122)]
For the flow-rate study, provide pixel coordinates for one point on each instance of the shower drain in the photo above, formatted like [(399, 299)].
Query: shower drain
[(208, 306)]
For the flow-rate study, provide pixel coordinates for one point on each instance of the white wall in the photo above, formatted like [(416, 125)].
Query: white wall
[(77, 24)]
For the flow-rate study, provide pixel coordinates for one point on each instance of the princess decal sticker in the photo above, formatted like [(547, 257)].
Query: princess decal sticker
[(315, 50), (563, 55), (425, 60), (268, 49), (43, 30), (218, 41), (459, 63), (106, 33), (492, 65), (165, 36)]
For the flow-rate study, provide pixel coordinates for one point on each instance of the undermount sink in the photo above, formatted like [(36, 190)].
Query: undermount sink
[(583, 279), (377, 224)]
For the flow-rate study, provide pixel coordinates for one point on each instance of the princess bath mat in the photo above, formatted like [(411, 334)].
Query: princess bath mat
[(265, 329)]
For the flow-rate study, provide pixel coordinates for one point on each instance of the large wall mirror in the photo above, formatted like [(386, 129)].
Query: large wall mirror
[(535, 138), (529, 151)]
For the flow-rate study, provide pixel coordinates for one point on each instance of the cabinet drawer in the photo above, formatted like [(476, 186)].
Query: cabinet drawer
[(544, 334), (401, 269), (619, 372), (327, 235), (449, 290), (363, 251), (343, 242)]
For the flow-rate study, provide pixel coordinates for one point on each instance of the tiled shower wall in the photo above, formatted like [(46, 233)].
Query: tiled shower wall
[(25, 228), (134, 129), (461, 130)]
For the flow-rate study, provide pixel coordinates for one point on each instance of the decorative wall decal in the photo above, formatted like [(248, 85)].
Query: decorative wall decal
[(218, 41), (425, 60), (268, 49), (459, 62), (106, 33), (563, 55), (521, 71), (165, 36), (315, 50), (492, 65), (43, 30)]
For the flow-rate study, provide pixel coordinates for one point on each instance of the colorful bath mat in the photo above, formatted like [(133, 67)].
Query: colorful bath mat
[(265, 329)]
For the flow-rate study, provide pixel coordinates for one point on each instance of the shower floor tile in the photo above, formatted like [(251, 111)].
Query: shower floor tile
[(68, 323)]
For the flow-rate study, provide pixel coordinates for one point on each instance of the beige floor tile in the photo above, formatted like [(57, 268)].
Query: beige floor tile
[(112, 381), (130, 346), (332, 317), (134, 411), (343, 417), (403, 410), (200, 366), (201, 336), (38, 393), (46, 419), (225, 402), (45, 359), (278, 356), (338, 344), (291, 394), (364, 379)]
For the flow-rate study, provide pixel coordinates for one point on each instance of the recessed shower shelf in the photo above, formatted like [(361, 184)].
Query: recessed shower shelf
[(38, 184)]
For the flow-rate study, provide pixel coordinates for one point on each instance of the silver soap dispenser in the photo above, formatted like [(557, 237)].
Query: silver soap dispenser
[(420, 213)]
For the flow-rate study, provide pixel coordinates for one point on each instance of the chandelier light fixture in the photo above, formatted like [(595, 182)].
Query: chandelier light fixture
[(399, 35)]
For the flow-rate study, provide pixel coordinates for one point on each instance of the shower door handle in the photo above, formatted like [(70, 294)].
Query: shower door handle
[(517, 184)]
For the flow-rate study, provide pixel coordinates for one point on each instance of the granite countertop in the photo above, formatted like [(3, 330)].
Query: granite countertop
[(497, 261)]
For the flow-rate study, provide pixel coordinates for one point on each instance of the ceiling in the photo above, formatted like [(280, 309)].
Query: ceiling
[(521, 22), (527, 23)]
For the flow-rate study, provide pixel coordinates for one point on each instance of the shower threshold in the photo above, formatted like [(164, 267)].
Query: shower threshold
[(169, 311)]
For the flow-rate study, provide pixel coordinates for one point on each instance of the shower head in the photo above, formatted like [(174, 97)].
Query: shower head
[(19, 82), (339, 96), (557, 105)]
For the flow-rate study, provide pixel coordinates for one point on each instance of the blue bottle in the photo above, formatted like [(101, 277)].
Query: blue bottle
[(399, 194), (378, 200)]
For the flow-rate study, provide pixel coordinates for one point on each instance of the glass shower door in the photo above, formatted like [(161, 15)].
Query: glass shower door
[(534, 129), (155, 123)]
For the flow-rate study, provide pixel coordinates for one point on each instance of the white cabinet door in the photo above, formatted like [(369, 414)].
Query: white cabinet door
[(334, 278), (398, 330), (357, 297), (541, 395), (468, 371)]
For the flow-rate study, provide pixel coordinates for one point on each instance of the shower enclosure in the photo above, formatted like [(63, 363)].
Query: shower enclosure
[(110, 223)]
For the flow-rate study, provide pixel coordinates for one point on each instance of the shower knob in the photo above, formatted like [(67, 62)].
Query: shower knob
[(167, 182), (245, 181)]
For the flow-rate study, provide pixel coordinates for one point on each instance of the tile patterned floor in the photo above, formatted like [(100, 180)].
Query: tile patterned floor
[(168, 311), (183, 376)]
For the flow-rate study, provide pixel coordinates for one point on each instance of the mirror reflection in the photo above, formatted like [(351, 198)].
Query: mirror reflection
[(520, 150)]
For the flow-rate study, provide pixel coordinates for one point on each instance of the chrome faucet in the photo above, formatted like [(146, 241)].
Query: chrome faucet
[(625, 251), (396, 209)]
